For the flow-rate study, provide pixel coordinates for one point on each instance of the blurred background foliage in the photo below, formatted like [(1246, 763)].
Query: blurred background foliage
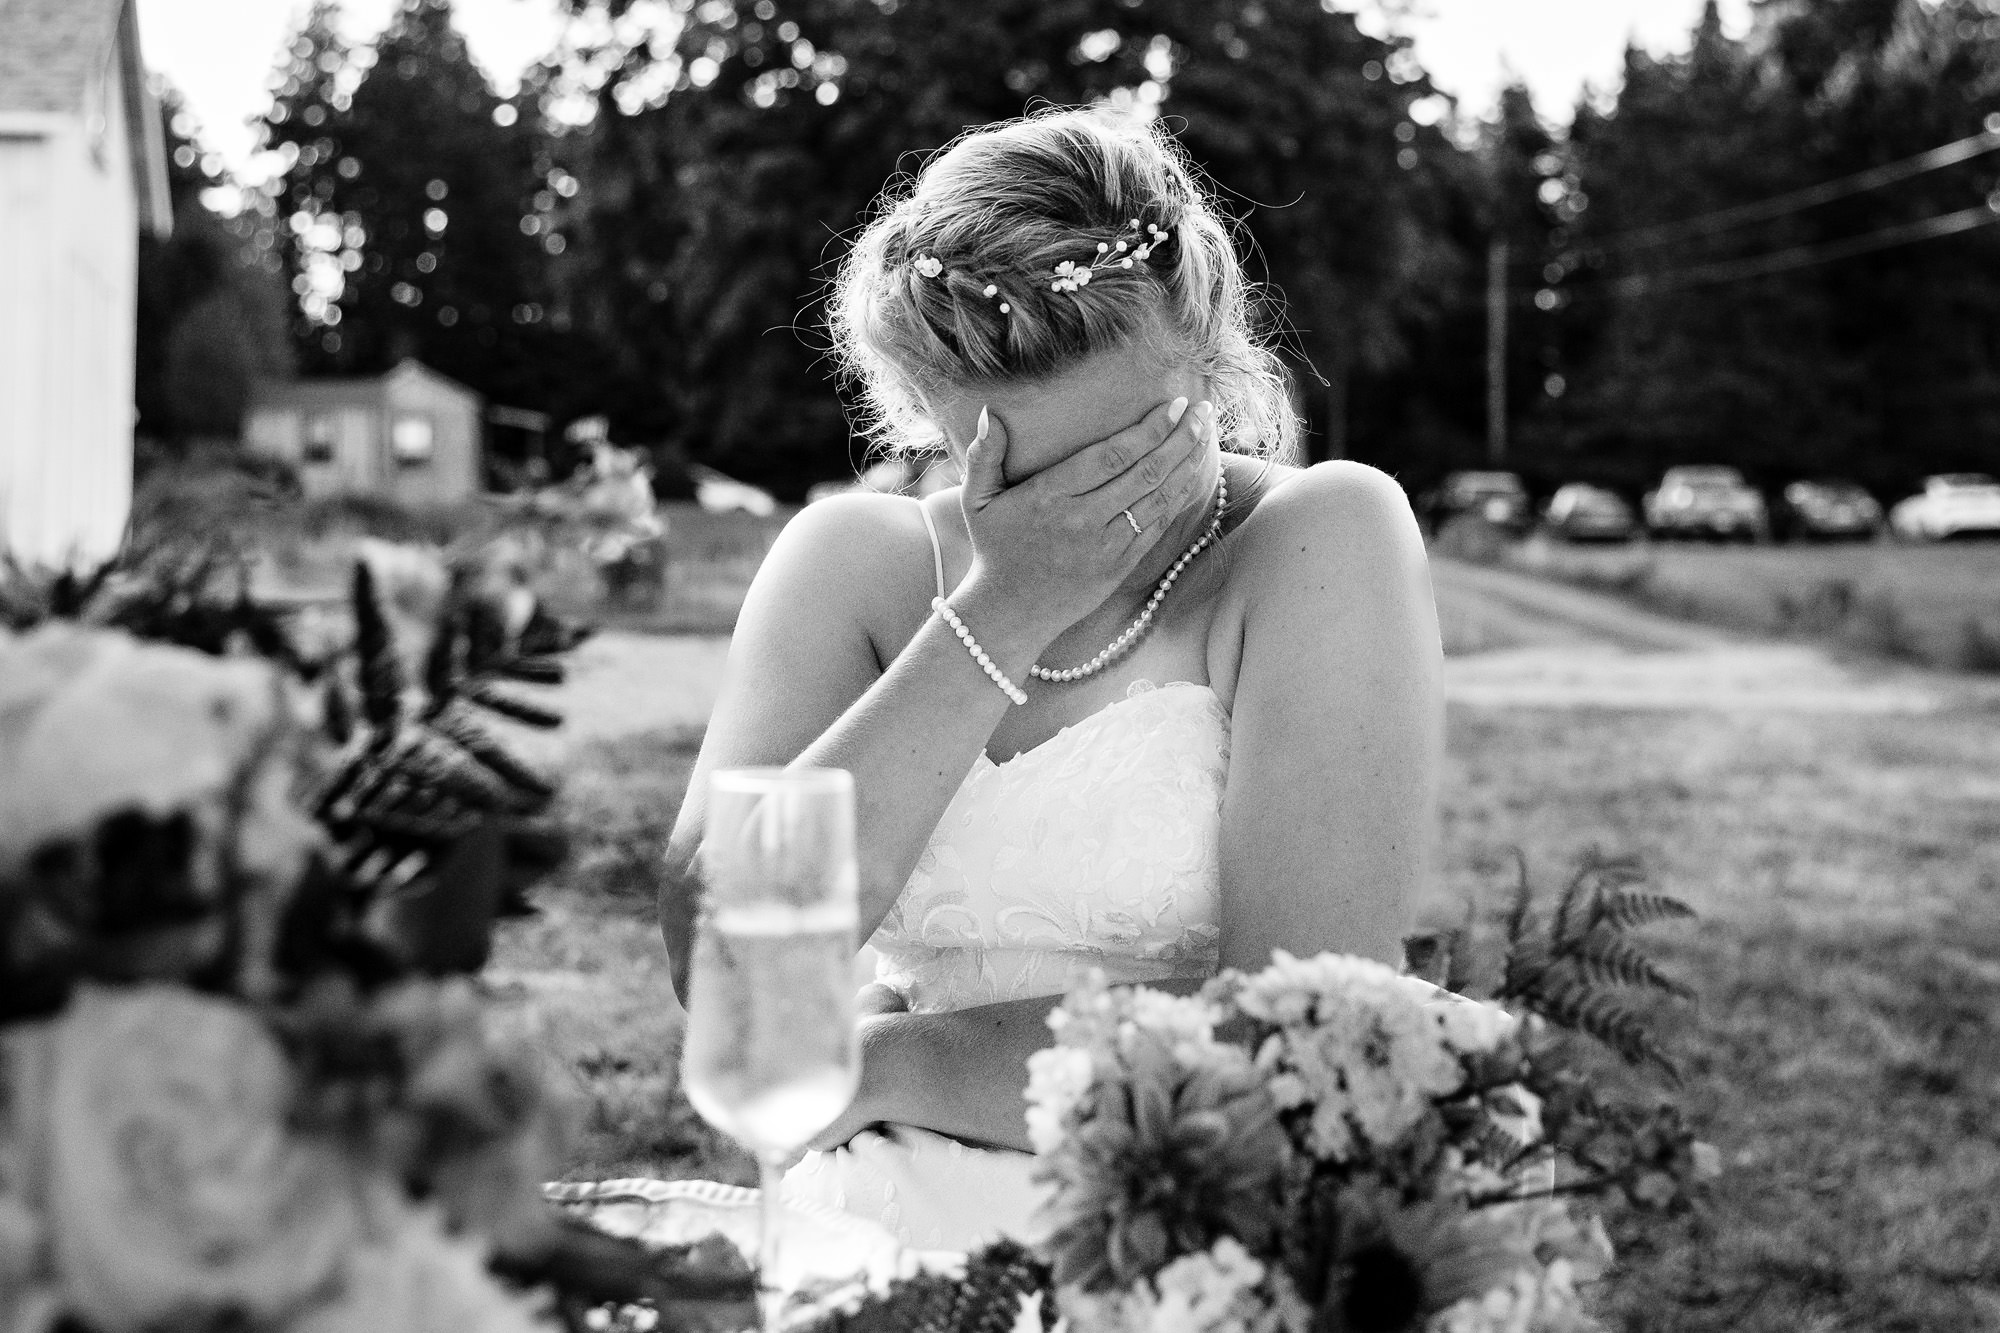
[(644, 230)]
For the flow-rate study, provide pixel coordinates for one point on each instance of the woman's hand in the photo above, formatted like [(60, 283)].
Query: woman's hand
[(1059, 540)]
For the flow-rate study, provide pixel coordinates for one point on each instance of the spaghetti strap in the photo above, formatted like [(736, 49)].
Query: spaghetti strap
[(937, 551)]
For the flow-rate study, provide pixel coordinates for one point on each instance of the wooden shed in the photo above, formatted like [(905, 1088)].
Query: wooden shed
[(82, 169), (410, 435)]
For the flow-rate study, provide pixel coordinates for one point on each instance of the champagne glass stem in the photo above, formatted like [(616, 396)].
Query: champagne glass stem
[(770, 1218)]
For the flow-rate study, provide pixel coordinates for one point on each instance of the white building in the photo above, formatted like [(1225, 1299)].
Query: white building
[(82, 169)]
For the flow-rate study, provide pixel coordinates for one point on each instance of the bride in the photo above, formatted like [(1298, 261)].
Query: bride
[(1134, 697)]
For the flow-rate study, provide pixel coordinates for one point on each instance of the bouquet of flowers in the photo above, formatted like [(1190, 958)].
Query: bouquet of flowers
[(237, 1089), (1331, 1145)]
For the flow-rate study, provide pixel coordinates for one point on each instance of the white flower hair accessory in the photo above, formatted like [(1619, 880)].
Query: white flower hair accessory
[(1071, 275), (930, 266)]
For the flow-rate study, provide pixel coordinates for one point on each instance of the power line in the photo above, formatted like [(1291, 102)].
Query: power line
[(1783, 261), (1794, 201), (1805, 256)]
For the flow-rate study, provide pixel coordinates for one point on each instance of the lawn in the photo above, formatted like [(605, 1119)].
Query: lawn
[(1844, 1055), (1938, 604)]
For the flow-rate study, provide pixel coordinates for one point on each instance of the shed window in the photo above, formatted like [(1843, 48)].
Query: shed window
[(319, 440), (410, 440)]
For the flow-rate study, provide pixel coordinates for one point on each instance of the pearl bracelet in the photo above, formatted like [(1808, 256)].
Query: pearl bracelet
[(986, 664)]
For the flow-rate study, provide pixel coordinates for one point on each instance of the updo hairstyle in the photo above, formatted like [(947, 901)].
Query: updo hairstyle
[(917, 305)]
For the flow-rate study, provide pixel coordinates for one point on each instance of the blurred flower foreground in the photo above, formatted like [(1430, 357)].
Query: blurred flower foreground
[(234, 1089)]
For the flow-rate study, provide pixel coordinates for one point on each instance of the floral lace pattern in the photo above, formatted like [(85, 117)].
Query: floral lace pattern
[(1099, 848)]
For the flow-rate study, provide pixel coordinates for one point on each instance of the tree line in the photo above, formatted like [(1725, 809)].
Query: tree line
[(644, 229)]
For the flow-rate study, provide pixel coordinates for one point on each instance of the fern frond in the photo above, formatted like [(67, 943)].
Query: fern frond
[(1528, 961), (1517, 917), (456, 724), (1572, 1003), (531, 670), (381, 672), (1623, 911), (1610, 958), (441, 663), (336, 710), (509, 705)]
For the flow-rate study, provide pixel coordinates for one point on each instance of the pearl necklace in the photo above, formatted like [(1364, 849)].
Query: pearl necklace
[(1117, 647)]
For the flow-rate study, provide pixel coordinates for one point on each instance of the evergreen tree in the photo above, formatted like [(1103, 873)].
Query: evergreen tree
[(1879, 366), (419, 208), (211, 318), (711, 217)]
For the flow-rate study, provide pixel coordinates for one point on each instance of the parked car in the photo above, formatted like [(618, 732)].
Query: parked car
[(1581, 512), (1497, 497), (720, 494), (1825, 511), (1706, 501), (1950, 505)]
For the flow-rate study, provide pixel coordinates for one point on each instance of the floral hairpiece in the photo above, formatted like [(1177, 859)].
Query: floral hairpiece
[(1071, 275)]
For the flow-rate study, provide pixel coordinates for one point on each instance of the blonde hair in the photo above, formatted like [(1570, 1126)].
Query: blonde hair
[(998, 211)]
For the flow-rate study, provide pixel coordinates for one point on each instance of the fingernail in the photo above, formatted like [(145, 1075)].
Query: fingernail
[(980, 434), (1174, 410)]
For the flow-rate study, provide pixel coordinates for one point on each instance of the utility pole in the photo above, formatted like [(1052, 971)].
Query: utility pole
[(1496, 353)]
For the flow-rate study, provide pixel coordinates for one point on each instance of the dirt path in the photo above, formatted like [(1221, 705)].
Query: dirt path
[(1545, 646), (1551, 646)]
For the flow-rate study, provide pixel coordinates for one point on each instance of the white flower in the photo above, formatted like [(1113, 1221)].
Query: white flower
[(929, 265), (1535, 1301), (1470, 1027), (1070, 275), (176, 1190), (1220, 1291), (99, 723), (1058, 1078), (1176, 1019), (1366, 1052)]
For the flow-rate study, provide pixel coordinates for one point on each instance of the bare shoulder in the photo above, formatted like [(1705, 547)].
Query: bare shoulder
[(1338, 522), (853, 534), (853, 568)]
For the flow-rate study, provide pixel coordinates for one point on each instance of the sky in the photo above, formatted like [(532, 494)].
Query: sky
[(220, 53)]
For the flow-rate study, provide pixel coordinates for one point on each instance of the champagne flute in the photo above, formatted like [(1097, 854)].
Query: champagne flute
[(771, 1057)]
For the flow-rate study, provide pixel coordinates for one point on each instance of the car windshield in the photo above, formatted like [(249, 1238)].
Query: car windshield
[(1486, 483), (1965, 480), (1707, 478)]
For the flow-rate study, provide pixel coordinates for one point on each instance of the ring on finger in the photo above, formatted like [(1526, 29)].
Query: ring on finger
[(1136, 529)]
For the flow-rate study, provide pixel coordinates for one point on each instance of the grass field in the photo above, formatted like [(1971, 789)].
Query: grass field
[(1937, 604), (1845, 1053)]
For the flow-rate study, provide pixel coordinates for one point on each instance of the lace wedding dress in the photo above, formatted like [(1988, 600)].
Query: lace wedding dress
[(1099, 848)]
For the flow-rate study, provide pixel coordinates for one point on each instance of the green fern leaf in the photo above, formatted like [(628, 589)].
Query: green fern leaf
[(1518, 919), (375, 645), (509, 705), (1623, 911), (1609, 958), (1581, 1008), (531, 670), (456, 724)]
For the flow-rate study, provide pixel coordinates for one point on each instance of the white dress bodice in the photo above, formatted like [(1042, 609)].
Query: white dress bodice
[(1098, 848)]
